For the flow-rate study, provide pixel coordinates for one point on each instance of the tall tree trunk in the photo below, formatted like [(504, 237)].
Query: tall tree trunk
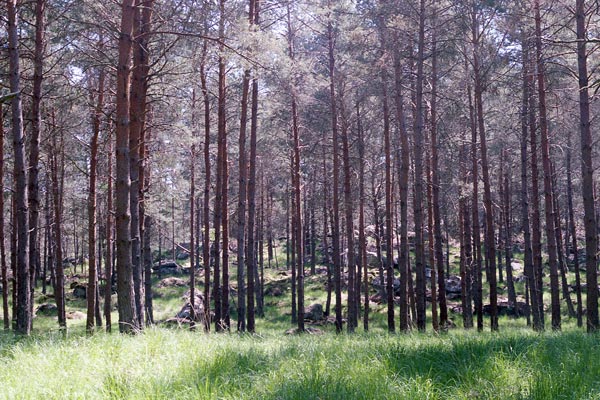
[(260, 273), (512, 296), (559, 247), (218, 207), (477, 279), (5, 290), (59, 289), (128, 321), (573, 234), (109, 241), (466, 248), (242, 200), (349, 211), (146, 222), (297, 226), (33, 190), (326, 259), (435, 177), (389, 251), (296, 184), (242, 189), (536, 286), (418, 165), (92, 264), (336, 176), (403, 183), (548, 202), (206, 197), (23, 308), (490, 241), (139, 88), (587, 172), (292, 248), (251, 252), (435, 322), (362, 239)]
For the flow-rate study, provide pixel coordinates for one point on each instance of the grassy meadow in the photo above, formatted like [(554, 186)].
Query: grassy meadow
[(175, 363)]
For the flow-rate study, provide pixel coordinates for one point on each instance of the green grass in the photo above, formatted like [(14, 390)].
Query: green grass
[(173, 364), (178, 364)]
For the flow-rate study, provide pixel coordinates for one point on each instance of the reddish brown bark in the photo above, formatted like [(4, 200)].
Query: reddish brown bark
[(128, 321)]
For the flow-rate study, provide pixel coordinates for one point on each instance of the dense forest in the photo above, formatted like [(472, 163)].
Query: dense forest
[(430, 161)]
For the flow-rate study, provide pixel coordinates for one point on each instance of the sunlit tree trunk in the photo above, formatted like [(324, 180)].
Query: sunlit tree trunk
[(93, 267), (128, 321)]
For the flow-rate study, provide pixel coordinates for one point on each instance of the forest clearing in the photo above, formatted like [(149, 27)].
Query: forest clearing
[(299, 199)]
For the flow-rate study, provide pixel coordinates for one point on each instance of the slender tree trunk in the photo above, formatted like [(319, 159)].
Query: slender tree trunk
[(260, 273), (59, 289), (251, 252), (548, 202), (206, 197), (435, 322), (437, 219), (13, 260), (109, 255), (336, 174), (23, 307), (536, 285), (326, 259), (296, 185), (559, 247), (33, 190), (349, 211), (93, 267), (242, 189), (128, 321), (418, 164), (477, 280), (466, 248), (292, 248), (5, 290), (242, 200), (193, 238), (587, 172), (403, 183), (510, 284), (146, 222), (573, 234), (389, 251), (139, 88), (490, 241), (362, 239)]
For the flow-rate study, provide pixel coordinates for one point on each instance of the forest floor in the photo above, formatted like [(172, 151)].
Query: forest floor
[(176, 363)]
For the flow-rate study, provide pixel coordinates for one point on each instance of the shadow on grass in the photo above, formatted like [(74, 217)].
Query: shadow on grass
[(490, 366)]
